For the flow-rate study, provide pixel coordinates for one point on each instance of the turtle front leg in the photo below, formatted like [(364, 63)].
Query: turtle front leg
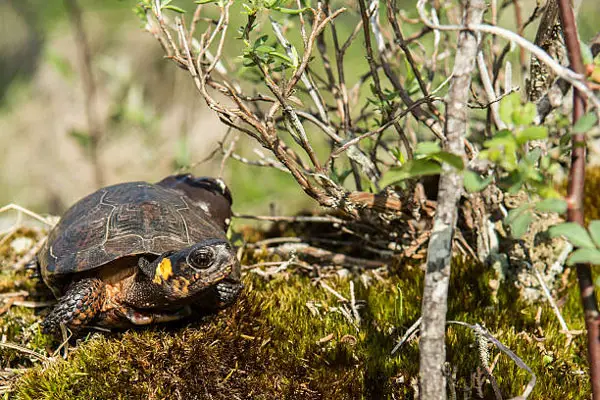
[(80, 304), (228, 292)]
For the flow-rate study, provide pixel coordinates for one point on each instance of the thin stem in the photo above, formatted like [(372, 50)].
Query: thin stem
[(575, 198)]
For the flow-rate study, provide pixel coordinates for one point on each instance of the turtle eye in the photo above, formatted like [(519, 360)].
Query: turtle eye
[(201, 258)]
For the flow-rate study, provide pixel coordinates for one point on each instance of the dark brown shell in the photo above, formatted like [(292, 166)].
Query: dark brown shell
[(124, 220)]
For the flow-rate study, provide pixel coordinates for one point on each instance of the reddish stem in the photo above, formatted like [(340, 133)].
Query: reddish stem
[(575, 198)]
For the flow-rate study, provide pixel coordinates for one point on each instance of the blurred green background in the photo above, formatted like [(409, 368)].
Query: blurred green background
[(153, 120)]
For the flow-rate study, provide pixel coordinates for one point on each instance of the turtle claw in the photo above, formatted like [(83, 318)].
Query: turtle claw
[(80, 304)]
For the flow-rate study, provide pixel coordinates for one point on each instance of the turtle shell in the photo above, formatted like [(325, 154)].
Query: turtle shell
[(123, 220)]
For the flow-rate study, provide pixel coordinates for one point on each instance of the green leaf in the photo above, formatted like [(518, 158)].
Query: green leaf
[(575, 233), (248, 62), (398, 154), (263, 48), (473, 182), (532, 133), (282, 57), (534, 155), (524, 115), (423, 167), (261, 40), (411, 169), (558, 206), (584, 256), (507, 106), (449, 158), (175, 8), (427, 148), (291, 11), (205, 1), (515, 212), (586, 53), (594, 229), (501, 138), (585, 123), (520, 224)]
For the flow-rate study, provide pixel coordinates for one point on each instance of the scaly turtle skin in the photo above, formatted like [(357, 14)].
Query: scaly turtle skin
[(138, 253)]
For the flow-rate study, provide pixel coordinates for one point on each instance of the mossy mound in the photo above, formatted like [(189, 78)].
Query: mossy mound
[(271, 345), (288, 338)]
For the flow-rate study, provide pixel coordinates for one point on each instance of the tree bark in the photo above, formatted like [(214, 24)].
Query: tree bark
[(439, 252)]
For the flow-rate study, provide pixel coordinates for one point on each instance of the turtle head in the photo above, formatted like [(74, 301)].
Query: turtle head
[(189, 271)]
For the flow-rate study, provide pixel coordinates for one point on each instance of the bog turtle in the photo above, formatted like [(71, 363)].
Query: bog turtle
[(138, 253)]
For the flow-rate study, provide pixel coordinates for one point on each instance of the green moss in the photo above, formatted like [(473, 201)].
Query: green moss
[(271, 345)]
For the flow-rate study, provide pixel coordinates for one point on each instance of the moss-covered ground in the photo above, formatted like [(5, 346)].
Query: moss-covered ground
[(286, 338), (271, 345)]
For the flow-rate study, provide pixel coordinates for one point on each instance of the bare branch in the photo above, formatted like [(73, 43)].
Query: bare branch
[(439, 252)]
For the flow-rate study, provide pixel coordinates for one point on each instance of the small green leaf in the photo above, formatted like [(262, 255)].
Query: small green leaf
[(248, 62), (548, 192), (524, 115), (205, 1), (423, 167), (584, 256), (449, 158), (558, 206), (291, 11), (585, 123), (532, 133), (534, 155), (263, 48), (473, 182), (586, 53), (282, 57), (520, 224), (512, 214), (594, 229), (426, 148), (411, 169), (575, 233), (503, 138), (175, 8), (507, 105), (261, 40)]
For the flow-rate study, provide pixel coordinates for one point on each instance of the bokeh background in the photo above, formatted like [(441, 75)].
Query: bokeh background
[(153, 122)]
